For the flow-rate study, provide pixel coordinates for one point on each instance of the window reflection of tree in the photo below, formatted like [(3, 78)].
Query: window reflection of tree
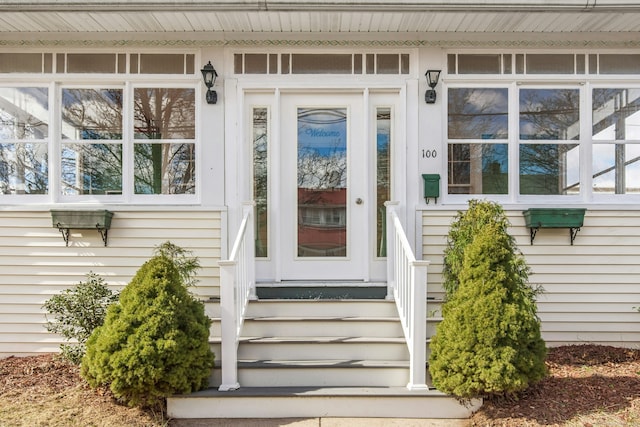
[(260, 179), (164, 114), (23, 165), (479, 114), (92, 114), (549, 115)]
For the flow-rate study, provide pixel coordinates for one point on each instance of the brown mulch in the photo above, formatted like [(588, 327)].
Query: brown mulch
[(588, 386), (47, 391)]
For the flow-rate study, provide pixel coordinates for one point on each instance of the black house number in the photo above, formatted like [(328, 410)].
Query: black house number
[(429, 154)]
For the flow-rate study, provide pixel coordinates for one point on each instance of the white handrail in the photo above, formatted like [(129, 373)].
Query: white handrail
[(237, 287), (407, 285)]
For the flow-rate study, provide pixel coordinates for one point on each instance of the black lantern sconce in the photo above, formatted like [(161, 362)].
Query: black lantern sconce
[(432, 80), (209, 75)]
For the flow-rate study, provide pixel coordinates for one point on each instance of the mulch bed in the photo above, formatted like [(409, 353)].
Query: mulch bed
[(583, 380)]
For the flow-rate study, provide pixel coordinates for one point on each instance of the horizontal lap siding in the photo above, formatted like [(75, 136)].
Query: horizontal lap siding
[(35, 264), (591, 289)]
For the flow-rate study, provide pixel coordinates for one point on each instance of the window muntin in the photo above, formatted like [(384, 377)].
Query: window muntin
[(24, 133), (167, 116)]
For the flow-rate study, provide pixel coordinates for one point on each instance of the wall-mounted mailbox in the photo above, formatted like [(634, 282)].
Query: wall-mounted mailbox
[(571, 218), (65, 220), (431, 186)]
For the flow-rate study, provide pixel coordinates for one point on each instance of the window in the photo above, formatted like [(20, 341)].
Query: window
[(616, 141), (321, 63), (165, 116), (545, 146), (260, 139), (549, 119), (24, 137), (109, 146), (478, 133), (91, 133)]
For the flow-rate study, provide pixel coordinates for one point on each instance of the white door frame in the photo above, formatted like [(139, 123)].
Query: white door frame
[(238, 153)]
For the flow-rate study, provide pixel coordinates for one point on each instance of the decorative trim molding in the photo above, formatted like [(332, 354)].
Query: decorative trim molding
[(426, 42)]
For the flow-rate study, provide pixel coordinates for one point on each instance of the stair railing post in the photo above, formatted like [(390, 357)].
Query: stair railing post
[(229, 326), (418, 346)]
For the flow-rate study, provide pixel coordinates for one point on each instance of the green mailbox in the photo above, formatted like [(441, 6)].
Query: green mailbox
[(431, 186)]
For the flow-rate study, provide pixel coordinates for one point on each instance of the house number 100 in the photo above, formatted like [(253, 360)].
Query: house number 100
[(427, 154)]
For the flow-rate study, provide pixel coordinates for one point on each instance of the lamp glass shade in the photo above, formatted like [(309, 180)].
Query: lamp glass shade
[(432, 77), (209, 75)]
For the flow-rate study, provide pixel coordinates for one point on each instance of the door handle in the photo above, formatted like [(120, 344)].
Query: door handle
[(359, 201)]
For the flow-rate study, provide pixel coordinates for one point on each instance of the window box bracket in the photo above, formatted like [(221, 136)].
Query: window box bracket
[(65, 220)]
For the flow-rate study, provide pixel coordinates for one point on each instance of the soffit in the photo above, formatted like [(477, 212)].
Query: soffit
[(29, 22)]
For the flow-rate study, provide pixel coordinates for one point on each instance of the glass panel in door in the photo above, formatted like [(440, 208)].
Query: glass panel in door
[(322, 182)]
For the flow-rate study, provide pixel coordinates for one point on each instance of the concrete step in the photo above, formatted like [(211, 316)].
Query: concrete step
[(305, 402)]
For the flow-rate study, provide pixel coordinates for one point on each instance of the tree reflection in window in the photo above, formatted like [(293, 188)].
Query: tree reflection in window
[(167, 165), (549, 115), (24, 133), (89, 115)]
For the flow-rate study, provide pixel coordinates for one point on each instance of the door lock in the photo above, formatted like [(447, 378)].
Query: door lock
[(359, 201)]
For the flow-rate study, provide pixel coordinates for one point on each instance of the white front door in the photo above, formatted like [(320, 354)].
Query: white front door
[(321, 171), (323, 187)]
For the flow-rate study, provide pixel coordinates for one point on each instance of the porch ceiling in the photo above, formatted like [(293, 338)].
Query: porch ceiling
[(399, 19)]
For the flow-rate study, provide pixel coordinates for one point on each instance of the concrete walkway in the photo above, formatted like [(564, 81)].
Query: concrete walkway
[(318, 422)]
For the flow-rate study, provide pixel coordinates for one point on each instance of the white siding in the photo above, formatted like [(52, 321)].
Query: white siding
[(591, 289), (35, 263)]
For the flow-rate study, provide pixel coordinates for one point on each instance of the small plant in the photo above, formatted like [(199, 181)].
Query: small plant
[(489, 341), (154, 341), (186, 264), (76, 312)]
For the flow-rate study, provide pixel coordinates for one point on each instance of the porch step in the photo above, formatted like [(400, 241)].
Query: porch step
[(307, 402)]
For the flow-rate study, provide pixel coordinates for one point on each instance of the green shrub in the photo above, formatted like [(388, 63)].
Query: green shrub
[(154, 342), (489, 340), (464, 228), (186, 264), (76, 312)]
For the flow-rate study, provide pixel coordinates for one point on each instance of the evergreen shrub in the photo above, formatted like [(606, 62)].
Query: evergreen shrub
[(464, 228), (154, 342), (489, 341), (76, 312)]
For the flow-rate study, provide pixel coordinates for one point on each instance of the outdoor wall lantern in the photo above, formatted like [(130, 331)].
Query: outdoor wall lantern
[(432, 80), (209, 75)]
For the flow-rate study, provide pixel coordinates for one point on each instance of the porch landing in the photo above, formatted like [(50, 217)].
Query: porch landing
[(297, 402)]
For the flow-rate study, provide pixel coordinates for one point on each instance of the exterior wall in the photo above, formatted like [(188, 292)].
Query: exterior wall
[(590, 289), (35, 263)]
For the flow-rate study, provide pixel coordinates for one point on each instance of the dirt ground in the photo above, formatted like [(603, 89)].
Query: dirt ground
[(588, 386)]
